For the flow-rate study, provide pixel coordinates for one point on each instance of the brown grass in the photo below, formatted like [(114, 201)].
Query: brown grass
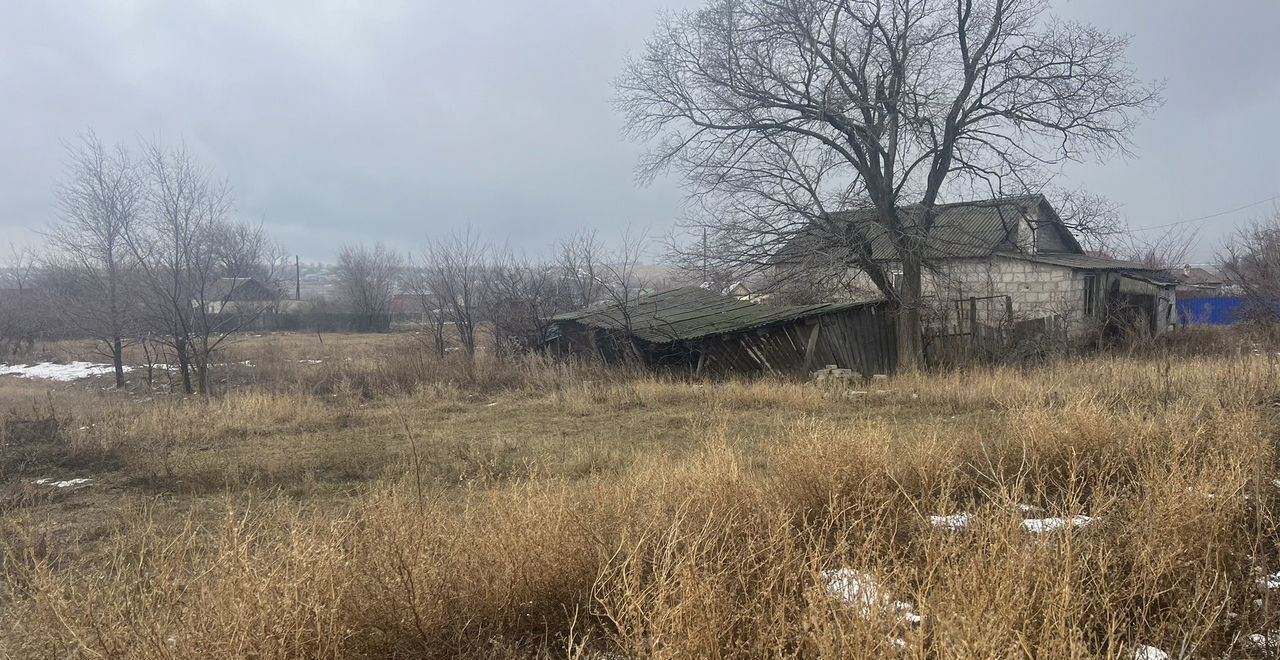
[(393, 506)]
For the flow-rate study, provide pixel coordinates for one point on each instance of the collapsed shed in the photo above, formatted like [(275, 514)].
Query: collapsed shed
[(696, 330)]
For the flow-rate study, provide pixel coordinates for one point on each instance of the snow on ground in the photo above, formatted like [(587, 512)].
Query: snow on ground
[(1265, 642), (862, 591), (1047, 525), (59, 372), (1270, 582), (954, 522), (959, 521), (69, 483), (1145, 652)]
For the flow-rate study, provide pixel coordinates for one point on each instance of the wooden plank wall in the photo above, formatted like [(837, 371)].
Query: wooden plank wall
[(862, 339)]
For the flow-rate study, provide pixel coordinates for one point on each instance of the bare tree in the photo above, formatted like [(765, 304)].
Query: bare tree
[(241, 250), (521, 297), (1251, 260), (90, 265), (580, 261), (1093, 219), (21, 317), (455, 269), (184, 303), (607, 278), (20, 268), (367, 278), (779, 112), (1165, 250), (417, 282)]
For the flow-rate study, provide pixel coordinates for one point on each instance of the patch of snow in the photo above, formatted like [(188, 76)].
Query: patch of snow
[(69, 483), (1145, 652), (1265, 642), (1270, 582), (862, 591), (954, 522), (59, 372), (311, 361), (1048, 525), (1028, 509)]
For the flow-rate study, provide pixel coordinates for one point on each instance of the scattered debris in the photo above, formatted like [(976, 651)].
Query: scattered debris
[(59, 372), (833, 373), (79, 482), (1049, 525), (862, 591)]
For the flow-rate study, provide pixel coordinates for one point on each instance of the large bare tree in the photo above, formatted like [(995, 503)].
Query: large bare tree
[(780, 112), (90, 266), (367, 279)]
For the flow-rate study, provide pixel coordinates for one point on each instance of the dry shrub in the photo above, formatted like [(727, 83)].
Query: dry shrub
[(261, 585), (724, 553)]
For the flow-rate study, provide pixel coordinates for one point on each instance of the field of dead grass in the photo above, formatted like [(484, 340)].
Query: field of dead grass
[(391, 505)]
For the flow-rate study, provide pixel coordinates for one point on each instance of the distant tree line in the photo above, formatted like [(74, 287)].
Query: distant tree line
[(461, 281)]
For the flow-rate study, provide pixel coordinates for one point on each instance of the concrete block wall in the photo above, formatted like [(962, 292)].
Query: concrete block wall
[(1036, 290)]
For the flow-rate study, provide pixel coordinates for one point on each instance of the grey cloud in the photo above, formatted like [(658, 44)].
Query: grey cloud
[(343, 121)]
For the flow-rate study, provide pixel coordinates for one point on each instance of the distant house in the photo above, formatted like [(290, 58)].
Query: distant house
[(741, 291), (1196, 282), (703, 332), (239, 295), (999, 262)]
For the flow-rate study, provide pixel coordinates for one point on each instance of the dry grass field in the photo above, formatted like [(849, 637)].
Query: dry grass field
[(358, 499)]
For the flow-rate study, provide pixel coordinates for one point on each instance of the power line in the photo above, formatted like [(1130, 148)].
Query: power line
[(1210, 216)]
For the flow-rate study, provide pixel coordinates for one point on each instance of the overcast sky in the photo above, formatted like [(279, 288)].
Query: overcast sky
[(379, 120)]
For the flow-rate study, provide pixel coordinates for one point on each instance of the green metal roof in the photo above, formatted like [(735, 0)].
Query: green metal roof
[(960, 230), (692, 313)]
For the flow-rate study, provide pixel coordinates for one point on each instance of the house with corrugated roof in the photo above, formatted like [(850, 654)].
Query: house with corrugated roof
[(1199, 282), (1009, 261)]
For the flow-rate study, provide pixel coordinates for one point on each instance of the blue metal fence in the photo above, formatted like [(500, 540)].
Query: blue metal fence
[(1220, 310)]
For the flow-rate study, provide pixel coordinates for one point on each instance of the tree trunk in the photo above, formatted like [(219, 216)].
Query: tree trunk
[(184, 365), (202, 376), (117, 360), (910, 299)]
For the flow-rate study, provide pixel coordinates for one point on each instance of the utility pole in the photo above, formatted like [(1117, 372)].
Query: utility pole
[(704, 254), (297, 279)]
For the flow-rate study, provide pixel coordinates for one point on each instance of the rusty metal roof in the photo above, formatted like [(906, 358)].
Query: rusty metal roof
[(692, 313)]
